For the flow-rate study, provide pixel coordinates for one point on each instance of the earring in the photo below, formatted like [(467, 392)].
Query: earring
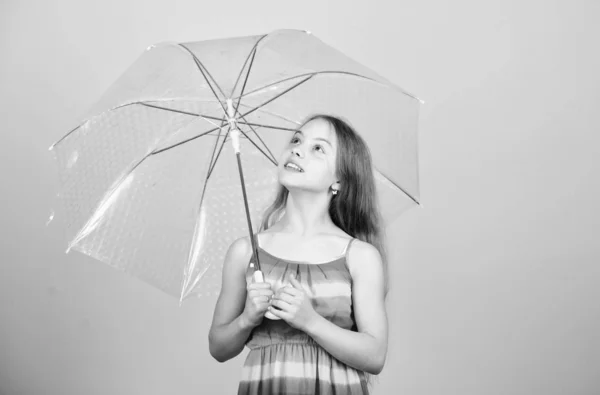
[(334, 191)]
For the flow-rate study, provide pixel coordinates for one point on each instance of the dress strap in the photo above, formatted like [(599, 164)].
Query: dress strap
[(256, 239), (345, 253)]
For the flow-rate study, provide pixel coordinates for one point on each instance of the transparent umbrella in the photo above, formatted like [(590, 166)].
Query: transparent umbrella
[(150, 182)]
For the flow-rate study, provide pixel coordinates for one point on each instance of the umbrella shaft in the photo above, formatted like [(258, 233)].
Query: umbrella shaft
[(254, 248)]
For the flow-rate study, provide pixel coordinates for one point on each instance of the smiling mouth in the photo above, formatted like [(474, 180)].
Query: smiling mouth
[(292, 166)]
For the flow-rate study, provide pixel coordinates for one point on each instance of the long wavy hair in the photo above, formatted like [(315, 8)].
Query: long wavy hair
[(355, 208)]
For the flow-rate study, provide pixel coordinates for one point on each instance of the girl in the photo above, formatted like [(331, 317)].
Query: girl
[(329, 332)]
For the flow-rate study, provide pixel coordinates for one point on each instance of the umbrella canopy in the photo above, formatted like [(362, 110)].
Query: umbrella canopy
[(149, 183)]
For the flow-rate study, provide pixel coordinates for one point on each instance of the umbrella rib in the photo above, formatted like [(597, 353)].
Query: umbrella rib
[(185, 279), (261, 140), (399, 187), (191, 114), (245, 81), (211, 87), (213, 159), (65, 136), (186, 140), (115, 187), (252, 52), (116, 108), (249, 139), (264, 104), (214, 162), (272, 159), (278, 116), (223, 143), (276, 82), (329, 72), (260, 125), (201, 67), (83, 231), (217, 118), (173, 110), (241, 116), (277, 96), (84, 122), (184, 112)]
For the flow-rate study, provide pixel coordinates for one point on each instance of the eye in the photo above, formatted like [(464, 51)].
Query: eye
[(320, 147), (294, 139)]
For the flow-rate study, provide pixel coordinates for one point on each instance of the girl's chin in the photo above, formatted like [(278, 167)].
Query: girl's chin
[(288, 176), (298, 181), (300, 186), (292, 184)]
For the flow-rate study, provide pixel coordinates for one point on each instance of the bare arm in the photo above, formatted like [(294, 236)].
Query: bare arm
[(229, 330), (366, 349)]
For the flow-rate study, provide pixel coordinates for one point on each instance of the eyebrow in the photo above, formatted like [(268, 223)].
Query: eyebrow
[(316, 138)]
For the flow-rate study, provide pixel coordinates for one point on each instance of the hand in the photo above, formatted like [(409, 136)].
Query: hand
[(293, 305), (258, 296)]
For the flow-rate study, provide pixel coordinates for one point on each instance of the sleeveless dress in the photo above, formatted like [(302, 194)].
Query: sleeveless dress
[(285, 360)]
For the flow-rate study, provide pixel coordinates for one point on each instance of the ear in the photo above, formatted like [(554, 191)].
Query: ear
[(336, 185)]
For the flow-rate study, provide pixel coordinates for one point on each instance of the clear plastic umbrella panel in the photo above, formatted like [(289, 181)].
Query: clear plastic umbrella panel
[(149, 181)]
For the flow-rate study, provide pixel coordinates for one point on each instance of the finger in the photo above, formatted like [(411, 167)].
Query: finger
[(260, 286), (280, 304), (255, 293), (288, 290), (286, 297), (261, 299), (278, 313), (295, 283), (261, 292), (261, 308)]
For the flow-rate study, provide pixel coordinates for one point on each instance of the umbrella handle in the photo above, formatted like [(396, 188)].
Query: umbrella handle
[(258, 277)]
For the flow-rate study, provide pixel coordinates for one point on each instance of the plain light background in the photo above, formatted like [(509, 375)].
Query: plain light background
[(495, 282)]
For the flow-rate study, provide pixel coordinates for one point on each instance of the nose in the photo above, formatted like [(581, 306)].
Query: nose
[(296, 151)]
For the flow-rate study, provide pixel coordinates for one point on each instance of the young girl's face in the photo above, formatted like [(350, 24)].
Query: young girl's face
[(314, 150)]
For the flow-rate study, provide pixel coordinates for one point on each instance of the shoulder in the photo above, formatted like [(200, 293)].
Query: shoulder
[(363, 257), (362, 249), (241, 245), (239, 252)]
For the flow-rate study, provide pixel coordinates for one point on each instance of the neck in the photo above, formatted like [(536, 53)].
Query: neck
[(306, 213)]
